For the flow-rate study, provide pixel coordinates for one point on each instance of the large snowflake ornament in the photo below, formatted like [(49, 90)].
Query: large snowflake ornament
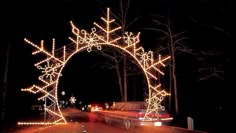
[(107, 34), (92, 39), (50, 71), (129, 38), (146, 58)]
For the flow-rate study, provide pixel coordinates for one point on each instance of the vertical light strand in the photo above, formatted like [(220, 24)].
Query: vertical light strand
[(151, 57), (134, 46), (42, 44), (108, 23), (77, 45), (77, 36), (64, 53), (53, 46)]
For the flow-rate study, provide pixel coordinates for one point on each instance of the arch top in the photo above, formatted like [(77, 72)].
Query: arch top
[(105, 34)]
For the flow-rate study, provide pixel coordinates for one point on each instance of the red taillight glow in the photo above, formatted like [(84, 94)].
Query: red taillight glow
[(164, 115)]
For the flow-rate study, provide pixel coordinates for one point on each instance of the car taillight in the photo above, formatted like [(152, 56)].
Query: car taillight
[(164, 115)]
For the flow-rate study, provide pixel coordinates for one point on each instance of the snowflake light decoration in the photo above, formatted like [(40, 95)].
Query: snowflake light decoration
[(54, 63), (49, 71), (72, 100)]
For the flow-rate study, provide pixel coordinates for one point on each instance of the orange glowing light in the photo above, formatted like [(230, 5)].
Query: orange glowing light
[(54, 63)]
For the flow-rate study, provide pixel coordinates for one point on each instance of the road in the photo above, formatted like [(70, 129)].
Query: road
[(84, 122)]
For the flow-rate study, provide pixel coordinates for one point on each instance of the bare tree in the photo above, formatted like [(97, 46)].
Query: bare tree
[(121, 18), (176, 42)]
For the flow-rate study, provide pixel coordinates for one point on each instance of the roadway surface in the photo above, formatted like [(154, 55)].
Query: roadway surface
[(84, 122)]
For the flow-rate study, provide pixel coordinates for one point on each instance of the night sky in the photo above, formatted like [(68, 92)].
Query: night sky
[(207, 23)]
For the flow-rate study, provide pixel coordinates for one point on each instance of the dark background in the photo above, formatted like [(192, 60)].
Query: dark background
[(209, 24)]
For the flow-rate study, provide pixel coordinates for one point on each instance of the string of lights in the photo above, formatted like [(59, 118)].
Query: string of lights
[(53, 64)]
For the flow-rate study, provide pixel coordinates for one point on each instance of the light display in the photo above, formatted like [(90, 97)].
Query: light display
[(56, 59), (72, 100)]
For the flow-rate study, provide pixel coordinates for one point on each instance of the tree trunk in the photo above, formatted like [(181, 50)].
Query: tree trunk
[(4, 89), (119, 80), (172, 48), (125, 78), (170, 88)]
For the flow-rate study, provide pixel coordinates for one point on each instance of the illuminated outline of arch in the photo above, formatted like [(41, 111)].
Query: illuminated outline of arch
[(55, 61)]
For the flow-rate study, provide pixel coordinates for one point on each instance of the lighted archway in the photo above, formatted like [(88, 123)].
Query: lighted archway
[(56, 59)]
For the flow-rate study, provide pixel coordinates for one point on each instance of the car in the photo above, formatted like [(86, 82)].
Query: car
[(132, 114), (140, 107), (163, 116)]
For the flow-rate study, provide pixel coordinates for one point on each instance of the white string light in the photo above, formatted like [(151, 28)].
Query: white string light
[(54, 63)]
